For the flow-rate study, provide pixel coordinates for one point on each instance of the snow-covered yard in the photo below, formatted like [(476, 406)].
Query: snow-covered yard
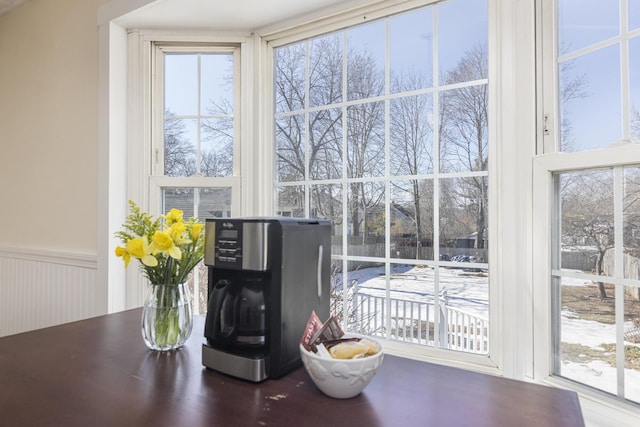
[(468, 291)]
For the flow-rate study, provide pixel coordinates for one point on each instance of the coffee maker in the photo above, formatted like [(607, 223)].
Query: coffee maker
[(265, 277)]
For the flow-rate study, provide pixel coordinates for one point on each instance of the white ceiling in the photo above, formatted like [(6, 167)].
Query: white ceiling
[(227, 14), (238, 15)]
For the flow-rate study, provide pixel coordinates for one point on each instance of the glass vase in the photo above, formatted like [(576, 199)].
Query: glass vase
[(167, 318)]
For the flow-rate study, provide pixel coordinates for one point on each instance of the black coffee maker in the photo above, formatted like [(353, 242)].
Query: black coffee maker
[(266, 276)]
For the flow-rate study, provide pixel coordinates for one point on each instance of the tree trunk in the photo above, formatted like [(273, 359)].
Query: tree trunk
[(602, 292), (416, 198)]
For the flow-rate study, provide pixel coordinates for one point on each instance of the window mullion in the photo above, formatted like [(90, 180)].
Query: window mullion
[(618, 203)]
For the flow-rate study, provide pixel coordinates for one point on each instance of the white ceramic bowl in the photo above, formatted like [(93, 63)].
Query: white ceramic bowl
[(341, 378)]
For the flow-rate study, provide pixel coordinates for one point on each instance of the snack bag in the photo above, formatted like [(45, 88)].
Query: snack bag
[(313, 326), (316, 332)]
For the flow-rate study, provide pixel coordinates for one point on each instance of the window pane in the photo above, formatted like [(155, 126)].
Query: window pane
[(180, 136), (325, 133), (365, 61), (418, 313), (631, 221), (181, 99), (455, 47), (412, 219), (463, 220), (325, 70), (290, 201), (365, 296), (414, 311), (587, 220), (366, 219), (326, 202), (289, 78), (290, 148), (216, 91), (463, 131), (365, 140), (216, 152), (411, 68), (340, 155), (580, 26), (199, 202), (634, 73), (198, 123), (587, 335), (411, 135), (634, 14), (590, 100), (632, 343)]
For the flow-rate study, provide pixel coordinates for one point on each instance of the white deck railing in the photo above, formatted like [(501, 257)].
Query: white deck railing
[(415, 322)]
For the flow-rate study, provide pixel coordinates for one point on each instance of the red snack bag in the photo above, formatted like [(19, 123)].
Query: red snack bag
[(313, 326)]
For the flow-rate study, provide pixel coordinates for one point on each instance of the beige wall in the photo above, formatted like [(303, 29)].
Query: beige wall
[(49, 125)]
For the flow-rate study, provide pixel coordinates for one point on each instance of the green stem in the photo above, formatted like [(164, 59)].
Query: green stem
[(167, 323)]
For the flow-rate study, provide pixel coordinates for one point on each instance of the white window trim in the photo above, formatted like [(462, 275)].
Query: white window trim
[(125, 139), (600, 405), (509, 227)]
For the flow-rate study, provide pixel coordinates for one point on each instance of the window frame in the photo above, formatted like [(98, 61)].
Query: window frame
[(548, 161), (502, 127), (145, 126), (157, 179)]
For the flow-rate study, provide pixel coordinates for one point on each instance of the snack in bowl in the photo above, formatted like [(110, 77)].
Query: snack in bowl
[(340, 365)]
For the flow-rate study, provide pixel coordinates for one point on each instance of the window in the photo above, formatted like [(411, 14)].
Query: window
[(593, 196), (194, 147), (382, 128)]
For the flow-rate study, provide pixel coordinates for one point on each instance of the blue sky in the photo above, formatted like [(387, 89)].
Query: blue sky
[(597, 118)]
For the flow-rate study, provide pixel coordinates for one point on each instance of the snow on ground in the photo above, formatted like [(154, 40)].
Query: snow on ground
[(465, 290), (468, 291)]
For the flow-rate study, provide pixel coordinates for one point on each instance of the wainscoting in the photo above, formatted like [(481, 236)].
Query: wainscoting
[(45, 288)]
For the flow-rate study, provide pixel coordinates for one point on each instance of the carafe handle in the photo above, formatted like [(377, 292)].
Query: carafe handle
[(213, 328)]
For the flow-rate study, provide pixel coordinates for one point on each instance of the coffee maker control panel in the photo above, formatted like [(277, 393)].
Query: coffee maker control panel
[(238, 245), (228, 248)]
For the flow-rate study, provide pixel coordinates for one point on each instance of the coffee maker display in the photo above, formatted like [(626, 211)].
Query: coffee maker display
[(265, 277)]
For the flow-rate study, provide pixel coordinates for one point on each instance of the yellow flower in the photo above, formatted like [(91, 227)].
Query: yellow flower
[(196, 229), (162, 242), (176, 231), (173, 216), (139, 247), (122, 252)]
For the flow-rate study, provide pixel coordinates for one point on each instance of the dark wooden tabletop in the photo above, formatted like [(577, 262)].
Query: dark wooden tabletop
[(98, 372)]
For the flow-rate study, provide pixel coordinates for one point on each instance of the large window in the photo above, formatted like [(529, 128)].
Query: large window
[(194, 149), (594, 283), (382, 128)]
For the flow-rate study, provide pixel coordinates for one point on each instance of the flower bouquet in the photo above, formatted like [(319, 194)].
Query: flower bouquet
[(168, 249)]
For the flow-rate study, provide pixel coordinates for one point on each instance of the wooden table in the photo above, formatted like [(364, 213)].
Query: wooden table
[(99, 372)]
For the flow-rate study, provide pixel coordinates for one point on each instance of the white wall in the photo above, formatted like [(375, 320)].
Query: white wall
[(48, 164), (49, 125)]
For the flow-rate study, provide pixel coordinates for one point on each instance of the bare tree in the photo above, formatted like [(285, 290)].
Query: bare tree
[(635, 122), (411, 139), (587, 214), (572, 87), (463, 137), (178, 150)]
